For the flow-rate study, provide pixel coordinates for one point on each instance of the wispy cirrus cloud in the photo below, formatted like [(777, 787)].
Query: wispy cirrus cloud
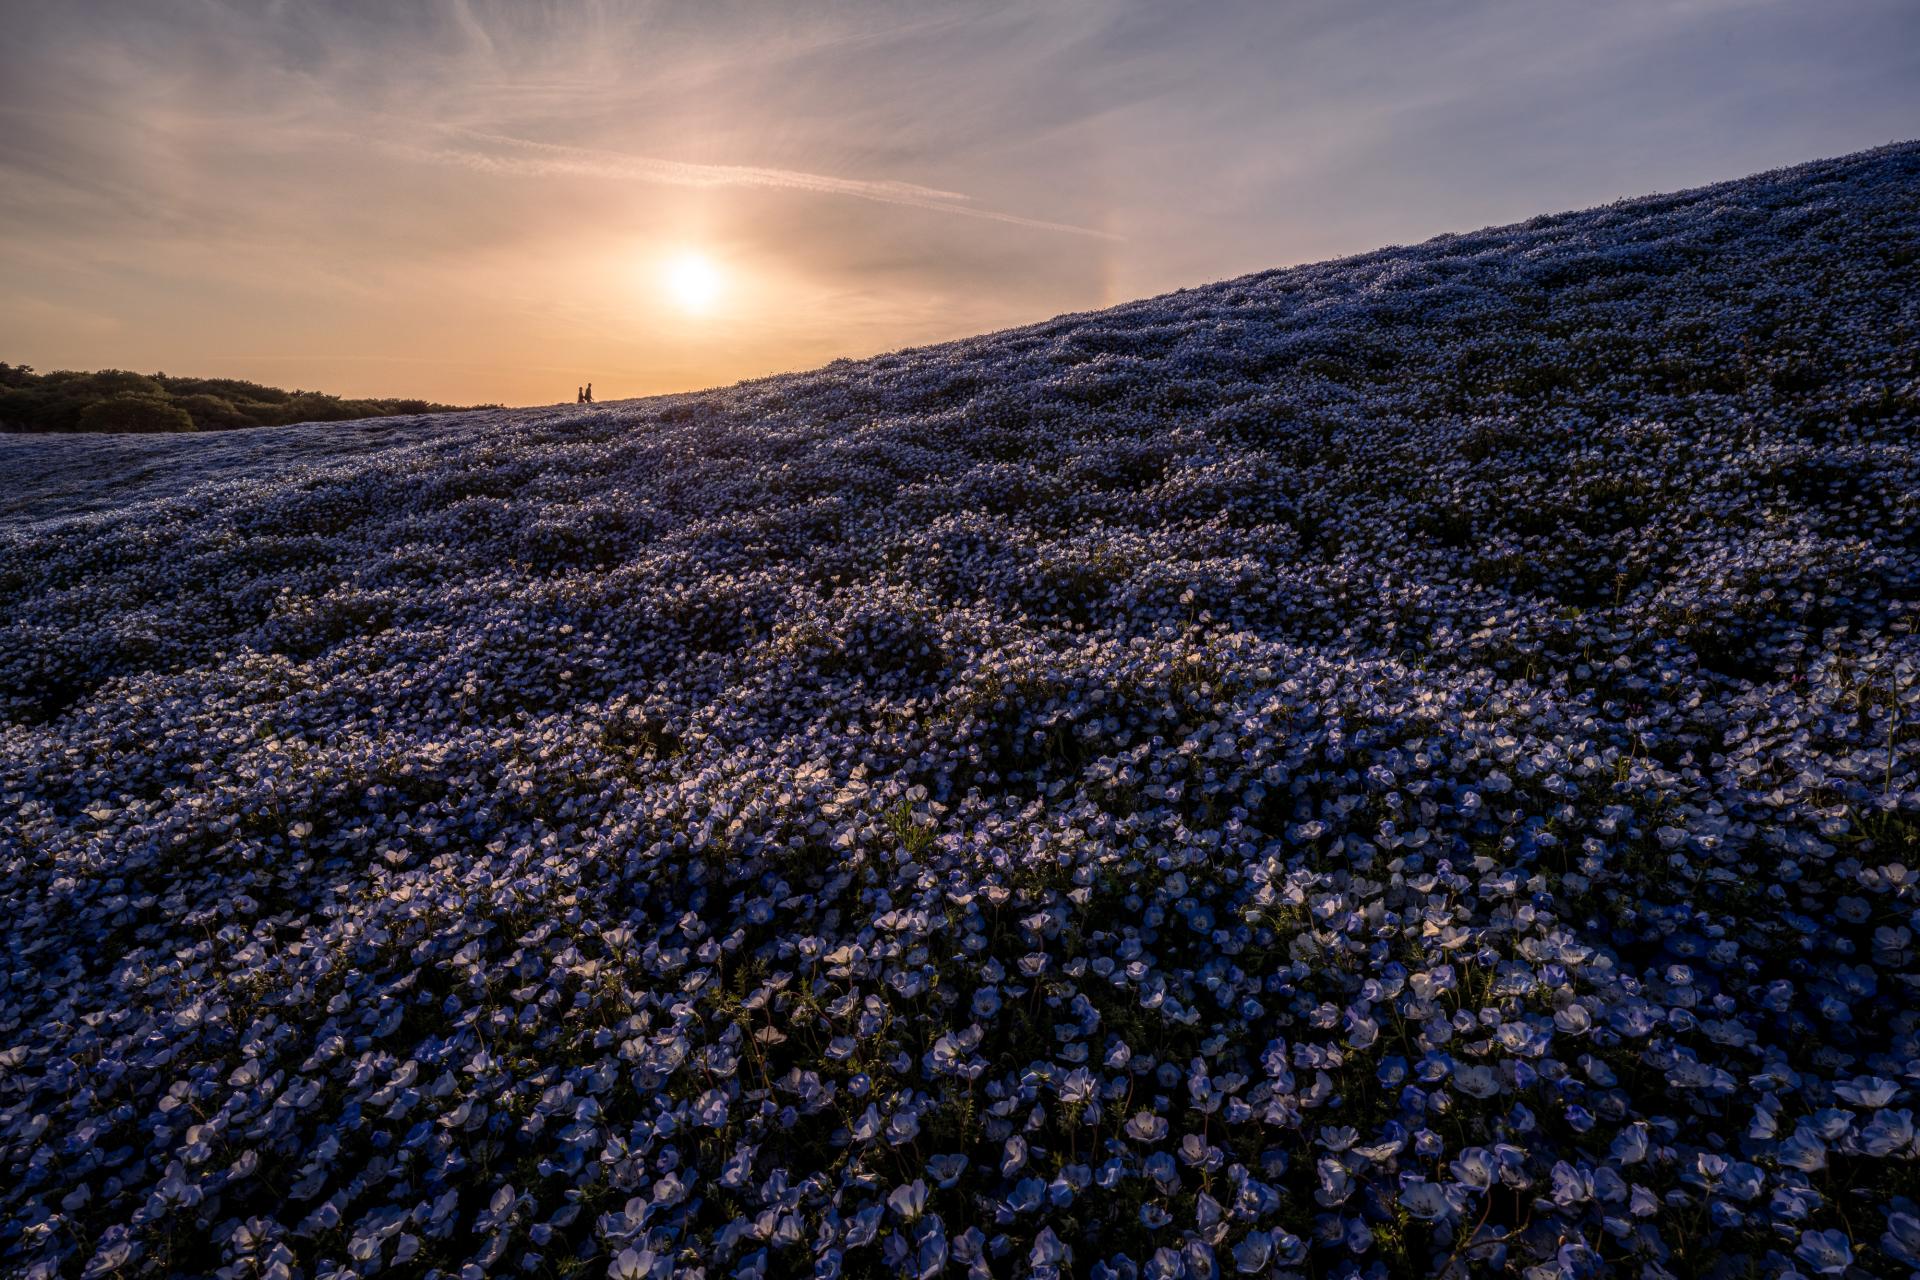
[(503, 154)]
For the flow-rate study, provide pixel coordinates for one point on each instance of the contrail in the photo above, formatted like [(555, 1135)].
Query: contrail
[(547, 159)]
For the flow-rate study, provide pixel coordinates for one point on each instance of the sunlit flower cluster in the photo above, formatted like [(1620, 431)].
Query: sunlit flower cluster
[(1406, 766)]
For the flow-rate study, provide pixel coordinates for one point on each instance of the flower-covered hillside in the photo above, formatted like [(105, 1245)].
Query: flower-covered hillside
[(1401, 766)]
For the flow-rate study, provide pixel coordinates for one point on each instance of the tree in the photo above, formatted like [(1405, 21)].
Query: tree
[(134, 413), (211, 413), (117, 382)]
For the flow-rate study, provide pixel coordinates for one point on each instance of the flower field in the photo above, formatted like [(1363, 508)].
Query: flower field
[(1404, 766)]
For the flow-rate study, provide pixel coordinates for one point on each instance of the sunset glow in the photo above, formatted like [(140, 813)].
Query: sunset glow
[(693, 281), (493, 200)]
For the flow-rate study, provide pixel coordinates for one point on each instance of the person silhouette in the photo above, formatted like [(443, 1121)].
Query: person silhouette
[(579, 395), (589, 393)]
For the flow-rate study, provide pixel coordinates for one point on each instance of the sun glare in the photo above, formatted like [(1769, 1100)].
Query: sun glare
[(693, 281)]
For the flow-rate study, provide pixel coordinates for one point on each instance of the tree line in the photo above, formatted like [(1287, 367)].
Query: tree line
[(116, 400)]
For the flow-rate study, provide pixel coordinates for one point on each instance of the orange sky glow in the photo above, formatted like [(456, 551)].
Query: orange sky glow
[(473, 201)]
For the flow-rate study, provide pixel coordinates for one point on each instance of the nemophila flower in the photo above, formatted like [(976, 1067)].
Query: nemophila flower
[(1827, 1253), (902, 1127), (1794, 1202), (1902, 1238), (947, 1169), (1868, 1091), (1027, 1195), (1889, 1133), (1048, 1250), (1160, 1167), (863, 1226), (632, 1264), (1803, 1150), (908, 1200), (1352, 737), (1427, 1200)]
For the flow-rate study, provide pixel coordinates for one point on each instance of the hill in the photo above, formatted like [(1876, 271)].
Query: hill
[(114, 400), (1405, 765)]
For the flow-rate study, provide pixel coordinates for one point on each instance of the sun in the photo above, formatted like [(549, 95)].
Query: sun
[(693, 281)]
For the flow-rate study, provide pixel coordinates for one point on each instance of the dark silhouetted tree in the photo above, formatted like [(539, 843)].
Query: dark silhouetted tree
[(134, 413)]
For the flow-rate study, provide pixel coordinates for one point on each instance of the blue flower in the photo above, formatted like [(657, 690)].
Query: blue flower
[(1827, 1252)]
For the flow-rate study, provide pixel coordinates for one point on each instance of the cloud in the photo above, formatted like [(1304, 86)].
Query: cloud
[(499, 153), (362, 177)]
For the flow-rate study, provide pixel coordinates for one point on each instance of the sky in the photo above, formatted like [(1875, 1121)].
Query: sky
[(474, 201)]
